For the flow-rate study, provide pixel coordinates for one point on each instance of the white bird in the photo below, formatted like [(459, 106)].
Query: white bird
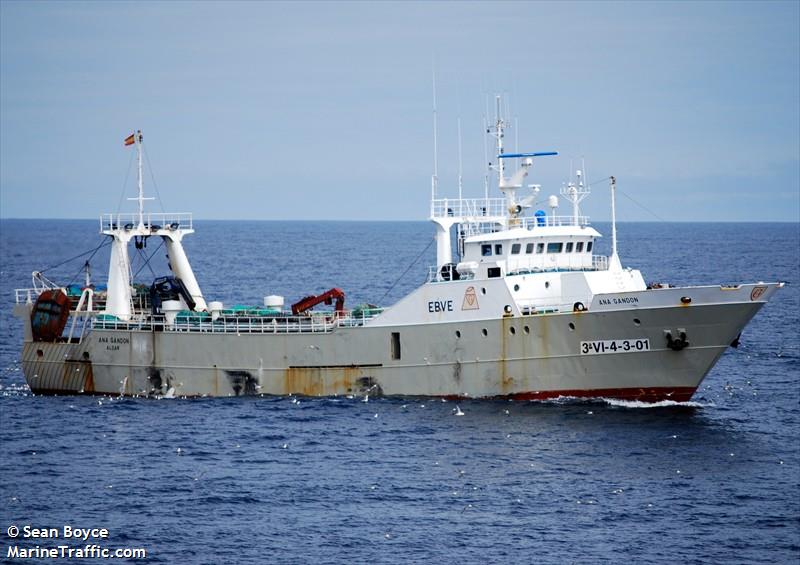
[(458, 411)]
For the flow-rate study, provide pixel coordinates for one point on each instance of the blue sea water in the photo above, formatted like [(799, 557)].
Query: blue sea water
[(331, 480)]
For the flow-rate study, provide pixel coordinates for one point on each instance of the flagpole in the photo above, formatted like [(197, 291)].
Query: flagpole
[(141, 188)]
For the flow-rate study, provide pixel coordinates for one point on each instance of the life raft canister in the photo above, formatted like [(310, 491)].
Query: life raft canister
[(49, 315)]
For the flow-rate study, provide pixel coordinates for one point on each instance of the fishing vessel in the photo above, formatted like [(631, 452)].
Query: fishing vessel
[(518, 305)]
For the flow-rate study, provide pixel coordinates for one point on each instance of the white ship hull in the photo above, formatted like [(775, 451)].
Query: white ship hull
[(520, 356)]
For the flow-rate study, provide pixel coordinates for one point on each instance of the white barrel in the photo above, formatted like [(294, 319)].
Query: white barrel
[(273, 302), (215, 307), (170, 309)]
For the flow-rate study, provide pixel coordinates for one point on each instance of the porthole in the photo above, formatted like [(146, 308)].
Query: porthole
[(526, 330), (637, 322), (571, 327), (512, 330), (484, 332), (458, 334), (516, 287), (483, 290), (547, 284)]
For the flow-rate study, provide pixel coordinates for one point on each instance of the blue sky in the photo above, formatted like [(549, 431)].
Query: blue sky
[(323, 110)]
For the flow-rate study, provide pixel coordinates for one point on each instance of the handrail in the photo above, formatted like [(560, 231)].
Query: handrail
[(530, 224), (27, 295), (435, 275), (317, 322), (599, 263), (153, 220), (468, 207)]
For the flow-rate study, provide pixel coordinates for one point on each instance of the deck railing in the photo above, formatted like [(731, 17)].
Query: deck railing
[(468, 207), (435, 275), (141, 302), (26, 295), (153, 220), (599, 263), (318, 322), (531, 224)]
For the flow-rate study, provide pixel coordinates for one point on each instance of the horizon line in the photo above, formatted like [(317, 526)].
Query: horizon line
[(749, 221)]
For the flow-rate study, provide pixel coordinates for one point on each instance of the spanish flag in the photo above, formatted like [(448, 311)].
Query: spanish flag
[(131, 139)]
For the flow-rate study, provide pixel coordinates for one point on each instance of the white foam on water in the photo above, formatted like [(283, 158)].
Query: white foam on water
[(661, 404)]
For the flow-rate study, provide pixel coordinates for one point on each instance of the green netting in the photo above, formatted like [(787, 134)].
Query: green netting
[(106, 318), (242, 310), (187, 316), (365, 310)]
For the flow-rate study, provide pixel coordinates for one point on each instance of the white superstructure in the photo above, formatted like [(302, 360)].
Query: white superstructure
[(550, 257)]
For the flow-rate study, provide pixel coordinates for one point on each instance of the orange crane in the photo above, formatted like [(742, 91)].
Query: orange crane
[(307, 303)]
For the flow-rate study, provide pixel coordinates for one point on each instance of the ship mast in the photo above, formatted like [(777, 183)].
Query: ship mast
[(615, 264), (499, 126), (141, 184), (170, 227), (435, 175), (140, 198), (576, 191)]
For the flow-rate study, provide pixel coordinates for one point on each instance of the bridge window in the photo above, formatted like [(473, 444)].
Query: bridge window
[(569, 248), (493, 272), (579, 247), (529, 248), (486, 249), (515, 248), (589, 247), (498, 248), (540, 248), (555, 247)]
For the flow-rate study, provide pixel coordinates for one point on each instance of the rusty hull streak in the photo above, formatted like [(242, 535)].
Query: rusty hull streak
[(320, 381), (506, 381), (88, 379), (85, 376)]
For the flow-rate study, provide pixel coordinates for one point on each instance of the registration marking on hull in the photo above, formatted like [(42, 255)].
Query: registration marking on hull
[(604, 346)]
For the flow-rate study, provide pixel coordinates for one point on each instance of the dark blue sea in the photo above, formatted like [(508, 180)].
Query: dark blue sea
[(333, 480)]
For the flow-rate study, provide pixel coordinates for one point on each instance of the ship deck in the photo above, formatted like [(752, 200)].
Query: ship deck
[(236, 320)]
